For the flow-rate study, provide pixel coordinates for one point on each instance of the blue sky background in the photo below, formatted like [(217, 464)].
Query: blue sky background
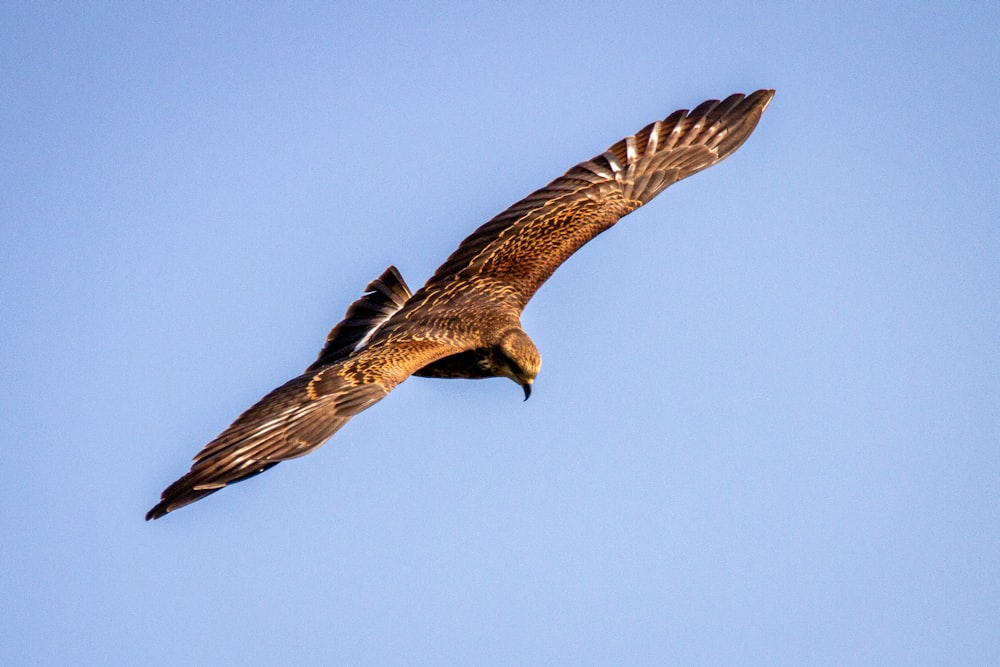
[(767, 427)]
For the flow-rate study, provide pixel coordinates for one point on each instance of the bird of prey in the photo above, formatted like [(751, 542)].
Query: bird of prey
[(465, 322)]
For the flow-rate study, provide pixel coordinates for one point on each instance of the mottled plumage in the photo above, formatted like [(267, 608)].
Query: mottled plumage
[(465, 322)]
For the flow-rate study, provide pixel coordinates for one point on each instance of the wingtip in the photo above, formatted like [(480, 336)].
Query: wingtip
[(762, 97), (757, 101)]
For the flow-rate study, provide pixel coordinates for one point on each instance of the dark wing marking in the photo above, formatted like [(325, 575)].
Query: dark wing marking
[(508, 258), (383, 297)]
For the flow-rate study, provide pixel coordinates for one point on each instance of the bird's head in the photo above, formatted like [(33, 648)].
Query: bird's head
[(520, 360)]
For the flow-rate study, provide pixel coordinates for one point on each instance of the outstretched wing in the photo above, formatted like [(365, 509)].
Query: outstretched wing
[(508, 258), (299, 416), (287, 423)]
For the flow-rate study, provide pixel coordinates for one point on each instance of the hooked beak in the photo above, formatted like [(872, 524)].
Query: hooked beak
[(527, 390)]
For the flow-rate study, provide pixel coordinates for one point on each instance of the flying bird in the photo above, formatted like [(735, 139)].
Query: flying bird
[(466, 321)]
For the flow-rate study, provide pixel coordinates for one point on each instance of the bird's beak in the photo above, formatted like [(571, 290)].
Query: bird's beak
[(527, 390)]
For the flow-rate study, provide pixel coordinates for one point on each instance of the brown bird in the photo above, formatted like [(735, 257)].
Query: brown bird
[(466, 321)]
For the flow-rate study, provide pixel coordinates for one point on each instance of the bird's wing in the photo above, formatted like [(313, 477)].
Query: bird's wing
[(285, 424), (507, 259), (299, 416), (383, 297)]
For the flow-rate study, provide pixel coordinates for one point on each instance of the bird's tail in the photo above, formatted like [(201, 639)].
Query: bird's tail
[(383, 297)]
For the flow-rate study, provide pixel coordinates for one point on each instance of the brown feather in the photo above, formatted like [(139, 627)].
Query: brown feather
[(465, 322), (507, 259), (383, 297)]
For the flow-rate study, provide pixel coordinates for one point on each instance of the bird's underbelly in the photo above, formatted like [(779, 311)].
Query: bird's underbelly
[(471, 364)]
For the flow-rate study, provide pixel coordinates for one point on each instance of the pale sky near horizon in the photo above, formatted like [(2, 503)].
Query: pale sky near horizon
[(767, 426)]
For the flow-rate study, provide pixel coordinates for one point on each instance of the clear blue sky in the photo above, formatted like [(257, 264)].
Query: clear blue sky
[(767, 427)]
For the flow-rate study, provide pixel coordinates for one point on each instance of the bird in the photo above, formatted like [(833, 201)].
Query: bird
[(465, 321)]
